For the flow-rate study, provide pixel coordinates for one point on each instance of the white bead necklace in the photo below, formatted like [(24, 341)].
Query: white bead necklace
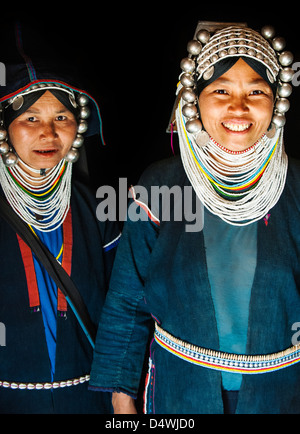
[(41, 202), (213, 162)]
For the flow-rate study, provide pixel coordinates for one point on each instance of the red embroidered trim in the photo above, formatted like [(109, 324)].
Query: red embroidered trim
[(33, 292)]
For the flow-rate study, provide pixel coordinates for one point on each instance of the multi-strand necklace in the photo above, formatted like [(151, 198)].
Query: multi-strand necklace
[(42, 202), (239, 187)]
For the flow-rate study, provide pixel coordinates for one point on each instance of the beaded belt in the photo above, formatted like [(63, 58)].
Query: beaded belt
[(242, 364), (45, 386)]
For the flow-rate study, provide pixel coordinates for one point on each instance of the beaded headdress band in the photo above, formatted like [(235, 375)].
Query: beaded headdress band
[(207, 49)]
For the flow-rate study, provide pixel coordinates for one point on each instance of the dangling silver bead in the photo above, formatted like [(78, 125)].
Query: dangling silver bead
[(10, 159), (187, 80), (278, 43), (193, 126), (285, 90), (286, 58), (268, 32), (203, 36), (189, 111), (72, 156), (85, 112), (189, 96), (78, 142), (4, 148), (286, 74), (3, 134), (282, 105), (82, 127), (82, 100), (279, 120), (188, 65), (194, 47)]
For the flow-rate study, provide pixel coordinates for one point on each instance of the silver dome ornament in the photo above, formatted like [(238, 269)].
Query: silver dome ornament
[(4, 147), (193, 126), (286, 74), (188, 95), (279, 120), (194, 47), (72, 156), (82, 100), (282, 105), (268, 32), (286, 58), (285, 90), (209, 73), (10, 159), (82, 126), (278, 43), (203, 36), (190, 111), (187, 80), (3, 134), (85, 112), (78, 142), (188, 65)]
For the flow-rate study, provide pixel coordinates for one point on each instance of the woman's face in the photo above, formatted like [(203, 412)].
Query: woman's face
[(44, 133), (236, 109)]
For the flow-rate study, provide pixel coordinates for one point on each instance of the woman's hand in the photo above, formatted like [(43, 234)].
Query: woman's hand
[(123, 404)]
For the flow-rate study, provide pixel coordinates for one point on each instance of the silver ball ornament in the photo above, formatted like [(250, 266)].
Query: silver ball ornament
[(10, 159), (279, 120), (82, 100), (85, 112), (203, 36), (286, 58), (278, 43), (4, 148), (194, 47), (189, 110), (189, 96), (188, 65), (285, 90), (187, 80), (78, 142), (82, 127), (72, 156), (193, 126), (268, 32), (286, 74), (282, 105)]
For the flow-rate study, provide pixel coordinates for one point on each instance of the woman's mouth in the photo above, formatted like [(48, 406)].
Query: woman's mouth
[(236, 127), (46, 152)]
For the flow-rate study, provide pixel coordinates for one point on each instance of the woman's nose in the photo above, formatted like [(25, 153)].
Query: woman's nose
[(48, 131), (238, 105)]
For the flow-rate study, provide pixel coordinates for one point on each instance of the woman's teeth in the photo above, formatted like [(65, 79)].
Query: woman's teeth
[(236, 127)]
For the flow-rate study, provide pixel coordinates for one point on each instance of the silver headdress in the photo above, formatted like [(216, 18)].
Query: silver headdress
[(210, 47)]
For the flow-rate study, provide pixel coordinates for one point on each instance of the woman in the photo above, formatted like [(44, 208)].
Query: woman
[(224, 299), (46, 362)]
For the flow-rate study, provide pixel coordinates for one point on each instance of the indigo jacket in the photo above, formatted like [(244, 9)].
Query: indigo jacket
[(160, 273), (24, 358)]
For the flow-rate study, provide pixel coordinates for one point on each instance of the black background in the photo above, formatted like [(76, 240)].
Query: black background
[(129, 56)]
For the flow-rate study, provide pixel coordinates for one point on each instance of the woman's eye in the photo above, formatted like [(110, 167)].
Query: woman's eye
[(256, 92), (221, 91), (31, 119), (61, 118)]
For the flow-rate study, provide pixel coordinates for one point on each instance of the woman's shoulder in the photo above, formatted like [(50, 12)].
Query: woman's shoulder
[(168, 172)]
